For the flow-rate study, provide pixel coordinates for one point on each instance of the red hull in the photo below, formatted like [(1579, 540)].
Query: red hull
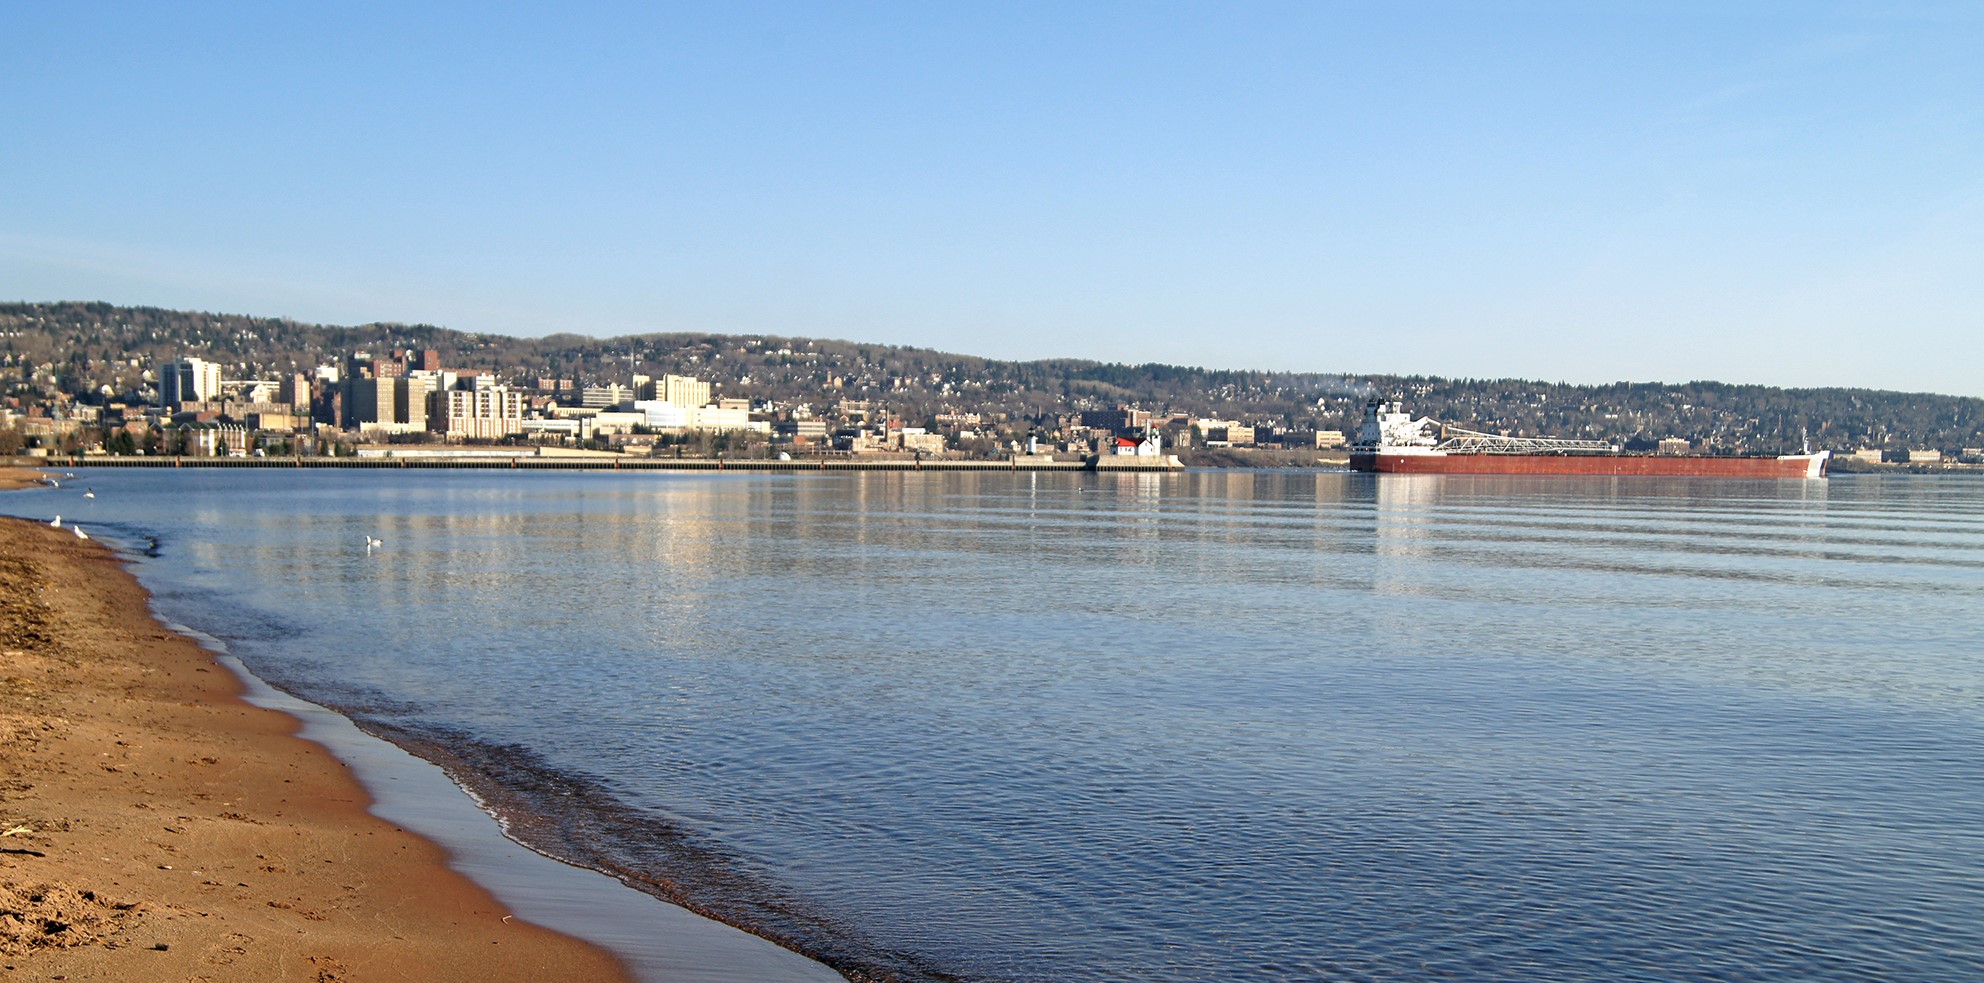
[(1792, 466)]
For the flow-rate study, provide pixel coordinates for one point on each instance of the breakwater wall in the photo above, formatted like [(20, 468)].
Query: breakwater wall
[(592, 464)]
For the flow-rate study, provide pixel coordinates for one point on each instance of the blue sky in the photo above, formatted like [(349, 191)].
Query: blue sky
[(1789, 194)]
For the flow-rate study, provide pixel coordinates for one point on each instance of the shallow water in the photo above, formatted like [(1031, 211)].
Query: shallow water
[(1166, 727)]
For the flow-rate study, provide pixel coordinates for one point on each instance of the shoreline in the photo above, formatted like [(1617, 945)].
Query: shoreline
[(160, 826), (556, 919), (609, 462), (655, 940), (647, 916)]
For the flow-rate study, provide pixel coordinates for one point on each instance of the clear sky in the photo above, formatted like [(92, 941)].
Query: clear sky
[(1780, 193)]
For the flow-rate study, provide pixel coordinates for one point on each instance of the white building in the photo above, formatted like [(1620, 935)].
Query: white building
[(721, 418), (682, 390), (575, 428), (605, 397), (478, 414), (663, 415), (616, 421), (729, 414), (921, 441)]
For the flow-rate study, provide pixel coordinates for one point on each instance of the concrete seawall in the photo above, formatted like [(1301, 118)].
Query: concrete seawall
[(593, 464)]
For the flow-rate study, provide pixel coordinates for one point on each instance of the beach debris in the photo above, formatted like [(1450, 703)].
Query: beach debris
[(19, 831)]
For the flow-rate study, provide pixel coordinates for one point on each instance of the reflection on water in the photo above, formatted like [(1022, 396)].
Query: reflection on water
[(1231, 725)]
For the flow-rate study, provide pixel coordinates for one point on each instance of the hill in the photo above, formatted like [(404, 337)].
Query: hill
[(96, 353)]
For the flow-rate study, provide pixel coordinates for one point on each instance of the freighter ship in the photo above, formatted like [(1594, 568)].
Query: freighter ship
[(1392, 440)]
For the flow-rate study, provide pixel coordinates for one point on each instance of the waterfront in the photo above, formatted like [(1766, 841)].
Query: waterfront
[(1169, 727)]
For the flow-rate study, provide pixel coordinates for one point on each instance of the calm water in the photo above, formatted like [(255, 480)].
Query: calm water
[(1167, 727)]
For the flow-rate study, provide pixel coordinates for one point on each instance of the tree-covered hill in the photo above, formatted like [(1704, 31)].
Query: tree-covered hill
[(96, 352)]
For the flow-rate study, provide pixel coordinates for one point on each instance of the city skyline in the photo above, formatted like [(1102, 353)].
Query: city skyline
[(1771, 194)]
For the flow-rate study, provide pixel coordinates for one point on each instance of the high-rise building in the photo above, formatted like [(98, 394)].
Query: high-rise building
[(189, 380), (479, 414), (682, 390), (372, 401), (294, 390), (410, 398)]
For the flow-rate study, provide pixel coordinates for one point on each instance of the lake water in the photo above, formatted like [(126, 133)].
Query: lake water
[(1209, 726)]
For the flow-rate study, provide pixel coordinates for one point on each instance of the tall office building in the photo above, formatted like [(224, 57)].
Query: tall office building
[(682, 390), (294, 391), (372, 401), (410, 402), (189, 380)]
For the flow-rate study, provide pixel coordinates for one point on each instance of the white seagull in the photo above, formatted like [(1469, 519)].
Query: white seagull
[(370, 542), (78, 530), (56, 522), (89, 493)]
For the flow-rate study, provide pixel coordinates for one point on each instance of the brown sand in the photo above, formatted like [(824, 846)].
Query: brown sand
[(155, 827), (11, 478)]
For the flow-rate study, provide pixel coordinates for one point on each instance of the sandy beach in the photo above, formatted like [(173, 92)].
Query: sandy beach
[(153, 826)]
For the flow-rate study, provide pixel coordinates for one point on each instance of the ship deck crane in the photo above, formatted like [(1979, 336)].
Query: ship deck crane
[(1458, 440)]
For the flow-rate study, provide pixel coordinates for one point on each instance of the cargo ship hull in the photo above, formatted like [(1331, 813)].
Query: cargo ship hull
[(1416, 461)]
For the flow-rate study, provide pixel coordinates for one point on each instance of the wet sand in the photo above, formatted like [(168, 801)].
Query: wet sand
[(154, 826)]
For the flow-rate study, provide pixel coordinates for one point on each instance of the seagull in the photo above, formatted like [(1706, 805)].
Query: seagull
[(56, 522), (89, 493), (370, 542), (78, 530)]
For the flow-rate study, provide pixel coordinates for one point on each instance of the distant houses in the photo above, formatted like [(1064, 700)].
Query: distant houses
[(188, 404), (411, 397)]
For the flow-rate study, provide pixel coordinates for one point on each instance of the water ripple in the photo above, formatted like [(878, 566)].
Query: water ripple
[(1209, 726)]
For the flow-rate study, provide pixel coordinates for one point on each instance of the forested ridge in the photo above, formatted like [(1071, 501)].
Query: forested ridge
[(97, 353)]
